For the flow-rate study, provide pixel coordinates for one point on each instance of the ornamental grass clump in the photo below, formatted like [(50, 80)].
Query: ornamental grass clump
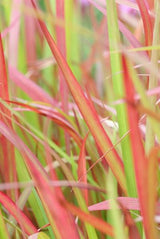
[(79, 119)]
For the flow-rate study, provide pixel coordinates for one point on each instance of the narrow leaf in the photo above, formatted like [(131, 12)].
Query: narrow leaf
[(119, 92), (153, 79), (147, 22), (58, 215), (152, 187), (126, 202), (89, 114), (20, 217), (7, 163), (14, 33), (29, 87), (30, 31), (94, 221), (140, 160), (3, 228), (82, 168), (61, 44)]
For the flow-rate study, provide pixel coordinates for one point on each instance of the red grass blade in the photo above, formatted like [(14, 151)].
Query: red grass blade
[(20, 217), (60, 39), (131, 224), (7, 162), (30, 31), (82, 176), (88, 112), (51, 198), (53, 115), (61, 44), (147, 23), (151, 4), (3, 74), (94, 221), (140, 160)]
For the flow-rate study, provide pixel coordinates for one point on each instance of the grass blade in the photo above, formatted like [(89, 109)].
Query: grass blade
[(88, 112), (86, 217), (3, 229), (147, 22), (140, 160), (29, 87), (153, 79), (58, 215), (14, 33), (82, 168), (20, 217), (8, 159), (61, 44), (30, 31), (118, 86)]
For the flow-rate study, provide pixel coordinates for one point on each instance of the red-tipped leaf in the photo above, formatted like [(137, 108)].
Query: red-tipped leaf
[(51, 198), (88, 112)]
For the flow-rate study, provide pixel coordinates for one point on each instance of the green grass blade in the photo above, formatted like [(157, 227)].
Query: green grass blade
[(87, 110), (3, 229), (118, 86), (153, 79)]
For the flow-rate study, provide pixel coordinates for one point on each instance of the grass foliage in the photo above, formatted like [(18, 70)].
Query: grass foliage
[(79, 119)]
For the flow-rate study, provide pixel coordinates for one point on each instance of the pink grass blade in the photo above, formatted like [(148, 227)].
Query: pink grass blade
[(98, 223), (9, 28), (126, 202), (139, 158), (51, 198), (20, 217), (61, 44), (133, 203), (7, 163), (29, 87), (30, 31), (89, 114), (82, 176), (3, 74)]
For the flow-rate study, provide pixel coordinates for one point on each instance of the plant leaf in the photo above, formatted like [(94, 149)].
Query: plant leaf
[(88, 112), (7, 162), (20, 217), (94, 221), (57, 215), (139, 157), (82, 176), (147, 23)]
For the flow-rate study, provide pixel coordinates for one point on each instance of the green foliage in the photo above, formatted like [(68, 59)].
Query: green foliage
[(79, 119)]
